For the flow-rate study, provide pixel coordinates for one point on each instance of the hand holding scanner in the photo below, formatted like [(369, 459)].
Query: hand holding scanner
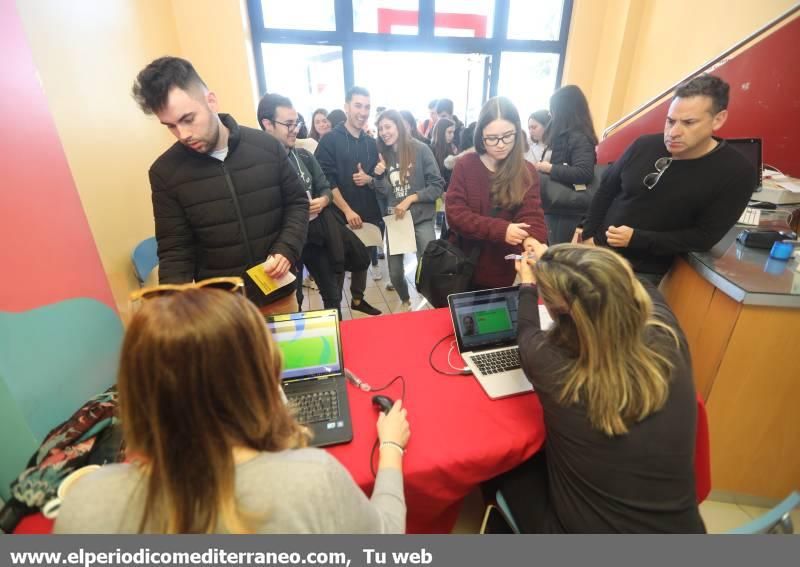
[(385, 403)]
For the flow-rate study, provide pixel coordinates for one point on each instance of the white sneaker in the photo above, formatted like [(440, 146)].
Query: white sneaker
[(405, 307), (309, 283), (377, 274), (389, 286)]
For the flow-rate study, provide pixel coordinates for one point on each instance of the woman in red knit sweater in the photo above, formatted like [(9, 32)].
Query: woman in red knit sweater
[(493, 198)]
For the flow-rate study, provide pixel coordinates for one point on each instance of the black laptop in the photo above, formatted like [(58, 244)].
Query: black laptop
[(312, 372)]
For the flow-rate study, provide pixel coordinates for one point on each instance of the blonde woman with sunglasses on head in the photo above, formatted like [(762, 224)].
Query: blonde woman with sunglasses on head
[(614, 377), (214, 448)]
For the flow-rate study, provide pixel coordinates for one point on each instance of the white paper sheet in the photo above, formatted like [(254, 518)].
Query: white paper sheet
[(545, 321), (400, 234), (369, 234)]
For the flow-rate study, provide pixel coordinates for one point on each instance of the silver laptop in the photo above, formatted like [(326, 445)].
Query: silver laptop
[(485, 326)]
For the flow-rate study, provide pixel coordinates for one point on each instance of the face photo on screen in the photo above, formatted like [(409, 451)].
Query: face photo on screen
[(487, 319)]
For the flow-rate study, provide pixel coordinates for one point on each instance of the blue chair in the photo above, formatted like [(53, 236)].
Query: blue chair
[(145, 259), (776, 521)]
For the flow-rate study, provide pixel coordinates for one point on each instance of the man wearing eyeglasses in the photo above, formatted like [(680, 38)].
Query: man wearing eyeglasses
[(225, 198), (676, 192), (277, 116)]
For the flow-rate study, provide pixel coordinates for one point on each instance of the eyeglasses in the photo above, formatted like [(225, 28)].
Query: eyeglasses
[(291, 126), (661, 164), (232, 284), (506, 138)]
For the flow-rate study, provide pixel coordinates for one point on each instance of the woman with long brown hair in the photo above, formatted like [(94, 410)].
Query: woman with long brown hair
[(443, 147), (614, 377), (408, 177), (213, 446), (493, 199), (320, 125)]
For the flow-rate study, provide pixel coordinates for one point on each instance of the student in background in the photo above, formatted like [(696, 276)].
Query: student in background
[(614, 378), (537, 122), (319, 124), (571, 140), (430, 122), (673, 192), (348, 156), (410, 122), (444, 109), (493, 198), (336, 117), (442, 144), (407, 175), (277, 116), (216, 448)]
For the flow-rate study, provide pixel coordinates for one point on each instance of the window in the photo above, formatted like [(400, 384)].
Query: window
[(535, 19), (299, 14), (386, 16), (310, 75), (464, 18), (408, 52), (528, 79), (457, 76)]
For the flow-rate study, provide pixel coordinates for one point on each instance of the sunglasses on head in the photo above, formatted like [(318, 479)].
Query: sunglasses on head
[(232, 284)]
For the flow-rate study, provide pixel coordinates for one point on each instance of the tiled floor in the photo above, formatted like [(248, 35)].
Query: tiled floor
[(719, 517), (376, 293)]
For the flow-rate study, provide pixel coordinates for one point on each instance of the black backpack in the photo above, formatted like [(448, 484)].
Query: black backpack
[(444, 269)]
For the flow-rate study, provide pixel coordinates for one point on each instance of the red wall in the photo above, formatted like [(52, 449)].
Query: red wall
[(764, 102)]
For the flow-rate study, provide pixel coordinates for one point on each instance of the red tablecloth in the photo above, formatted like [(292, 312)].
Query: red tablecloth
[(459, 437)]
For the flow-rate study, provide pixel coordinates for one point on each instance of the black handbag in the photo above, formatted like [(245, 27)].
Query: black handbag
[(444, 269)]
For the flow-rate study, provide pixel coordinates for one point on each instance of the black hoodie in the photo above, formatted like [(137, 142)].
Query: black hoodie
[(339, 154)]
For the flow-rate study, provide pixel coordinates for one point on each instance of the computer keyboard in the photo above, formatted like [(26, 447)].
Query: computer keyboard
[(316, 406), (497, 361)]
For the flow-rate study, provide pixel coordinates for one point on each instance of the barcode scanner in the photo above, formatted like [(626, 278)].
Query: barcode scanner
[(384, 403)]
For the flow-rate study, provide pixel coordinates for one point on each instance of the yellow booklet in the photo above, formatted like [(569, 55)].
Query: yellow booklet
[(267, 284)]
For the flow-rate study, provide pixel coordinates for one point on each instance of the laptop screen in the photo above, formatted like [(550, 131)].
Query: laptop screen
[(750, 148), (309, 343), (484, 319)]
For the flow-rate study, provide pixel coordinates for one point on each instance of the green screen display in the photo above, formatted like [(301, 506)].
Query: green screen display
[(307, 352), (493, 321)]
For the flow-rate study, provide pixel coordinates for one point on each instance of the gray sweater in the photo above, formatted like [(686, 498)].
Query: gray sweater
[(295, 491), (426, 181)]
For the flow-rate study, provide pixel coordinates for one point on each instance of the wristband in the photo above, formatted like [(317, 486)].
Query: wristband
[(393, 445)]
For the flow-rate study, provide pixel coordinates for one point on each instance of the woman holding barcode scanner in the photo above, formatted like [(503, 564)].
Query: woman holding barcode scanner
[(614, 378), (212, 445)]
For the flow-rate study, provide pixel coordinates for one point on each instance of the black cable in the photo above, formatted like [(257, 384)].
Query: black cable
[(377, 440), (430, 360)]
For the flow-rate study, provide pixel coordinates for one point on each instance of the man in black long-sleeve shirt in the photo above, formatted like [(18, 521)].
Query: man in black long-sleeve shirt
[(676, 194)]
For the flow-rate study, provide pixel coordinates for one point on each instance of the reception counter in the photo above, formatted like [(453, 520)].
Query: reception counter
[(740, 311)]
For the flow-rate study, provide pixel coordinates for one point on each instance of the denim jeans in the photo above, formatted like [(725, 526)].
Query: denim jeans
[(424, 235)]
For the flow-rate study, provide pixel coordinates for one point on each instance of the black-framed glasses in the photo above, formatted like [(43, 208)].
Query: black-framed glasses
[(661, 165), (291, 126), (506, 138)]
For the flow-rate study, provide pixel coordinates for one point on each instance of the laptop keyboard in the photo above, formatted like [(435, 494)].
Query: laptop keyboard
[(316, 406), (497, 361)]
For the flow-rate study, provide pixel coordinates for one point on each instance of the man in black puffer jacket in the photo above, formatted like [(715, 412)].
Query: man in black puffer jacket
[(225, 198)]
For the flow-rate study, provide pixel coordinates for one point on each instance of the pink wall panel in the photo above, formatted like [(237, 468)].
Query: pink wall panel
[(47, 253), (764, 103)]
